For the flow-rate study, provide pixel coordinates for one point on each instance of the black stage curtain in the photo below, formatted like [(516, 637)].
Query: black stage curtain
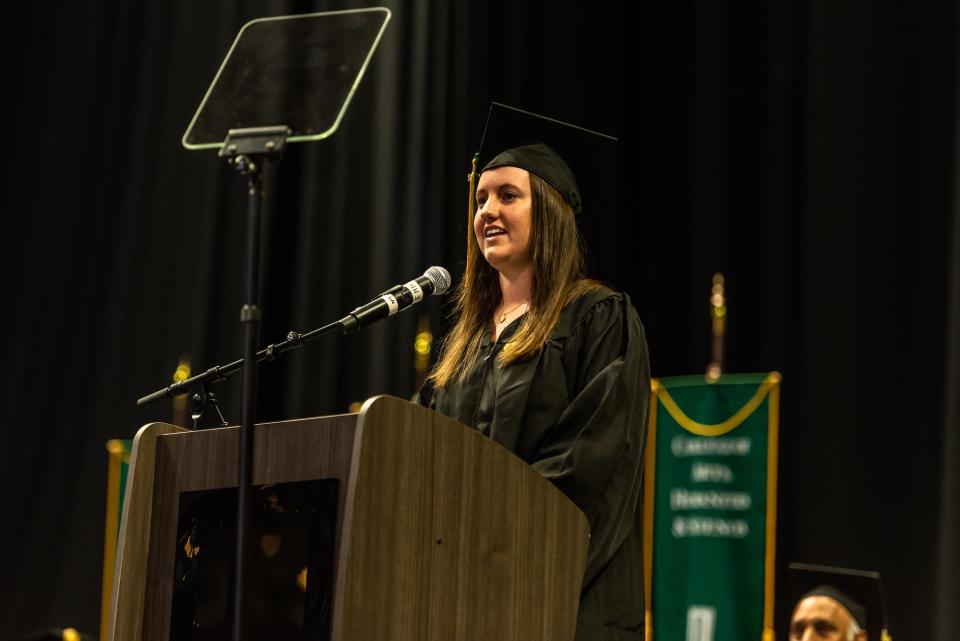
[(804, 149), (948, 571)]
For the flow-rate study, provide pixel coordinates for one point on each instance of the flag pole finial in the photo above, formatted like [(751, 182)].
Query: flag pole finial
[(718, 316)]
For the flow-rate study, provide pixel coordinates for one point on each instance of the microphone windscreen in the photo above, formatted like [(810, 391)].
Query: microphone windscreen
[(440, 278)]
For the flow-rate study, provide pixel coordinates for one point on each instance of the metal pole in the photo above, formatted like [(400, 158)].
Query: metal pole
[(250, 317), (718, 316)]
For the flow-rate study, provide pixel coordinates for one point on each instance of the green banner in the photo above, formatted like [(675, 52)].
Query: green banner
[(710, 508)]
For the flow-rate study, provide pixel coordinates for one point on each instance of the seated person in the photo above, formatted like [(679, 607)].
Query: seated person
[(835, 604)]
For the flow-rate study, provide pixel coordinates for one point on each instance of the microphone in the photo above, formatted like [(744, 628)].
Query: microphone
[(435, 280)]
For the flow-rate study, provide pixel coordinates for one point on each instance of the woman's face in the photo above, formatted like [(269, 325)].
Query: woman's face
[(503, 219)]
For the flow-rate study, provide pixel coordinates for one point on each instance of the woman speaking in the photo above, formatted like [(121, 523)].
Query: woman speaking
[(547, 362)]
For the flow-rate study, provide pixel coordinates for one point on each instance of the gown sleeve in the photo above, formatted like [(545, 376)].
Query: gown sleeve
[(594, 453)]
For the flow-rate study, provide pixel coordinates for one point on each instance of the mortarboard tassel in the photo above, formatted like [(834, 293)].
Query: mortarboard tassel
[(472, 179)]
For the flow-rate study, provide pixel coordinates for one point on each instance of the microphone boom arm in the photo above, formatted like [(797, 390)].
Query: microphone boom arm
[(219, 373), (435, 280)]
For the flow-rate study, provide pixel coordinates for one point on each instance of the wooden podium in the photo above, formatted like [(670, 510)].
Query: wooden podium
[(440, 533)]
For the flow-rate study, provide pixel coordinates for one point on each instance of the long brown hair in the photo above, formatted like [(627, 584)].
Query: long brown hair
[(558, 278)]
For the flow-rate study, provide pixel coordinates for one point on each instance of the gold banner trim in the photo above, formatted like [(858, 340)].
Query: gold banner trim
[(701, 429)]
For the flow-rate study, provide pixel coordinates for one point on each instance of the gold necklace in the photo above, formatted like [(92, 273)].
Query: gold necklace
[(502, 318)]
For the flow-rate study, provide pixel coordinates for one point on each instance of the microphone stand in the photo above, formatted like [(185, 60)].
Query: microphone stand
[(246, 150), (249, 164)]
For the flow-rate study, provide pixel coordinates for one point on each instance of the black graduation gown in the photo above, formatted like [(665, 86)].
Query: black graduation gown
[(576, 412)]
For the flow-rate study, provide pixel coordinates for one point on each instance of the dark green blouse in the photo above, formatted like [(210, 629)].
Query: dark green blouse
[(576, 412)]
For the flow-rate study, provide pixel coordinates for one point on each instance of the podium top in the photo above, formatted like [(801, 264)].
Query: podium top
[(300, 71)]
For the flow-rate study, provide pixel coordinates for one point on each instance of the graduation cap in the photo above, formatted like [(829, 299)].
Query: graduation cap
[(858, 591), (557, 152)]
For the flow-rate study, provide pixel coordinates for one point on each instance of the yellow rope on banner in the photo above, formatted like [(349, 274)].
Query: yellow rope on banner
[(769, 569), (701, 429), (649, 478)]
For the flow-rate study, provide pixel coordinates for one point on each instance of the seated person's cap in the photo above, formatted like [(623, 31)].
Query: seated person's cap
[(860, 592), (555, 151)]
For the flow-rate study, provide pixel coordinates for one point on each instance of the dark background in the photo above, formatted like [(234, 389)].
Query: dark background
[(805, 149)]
